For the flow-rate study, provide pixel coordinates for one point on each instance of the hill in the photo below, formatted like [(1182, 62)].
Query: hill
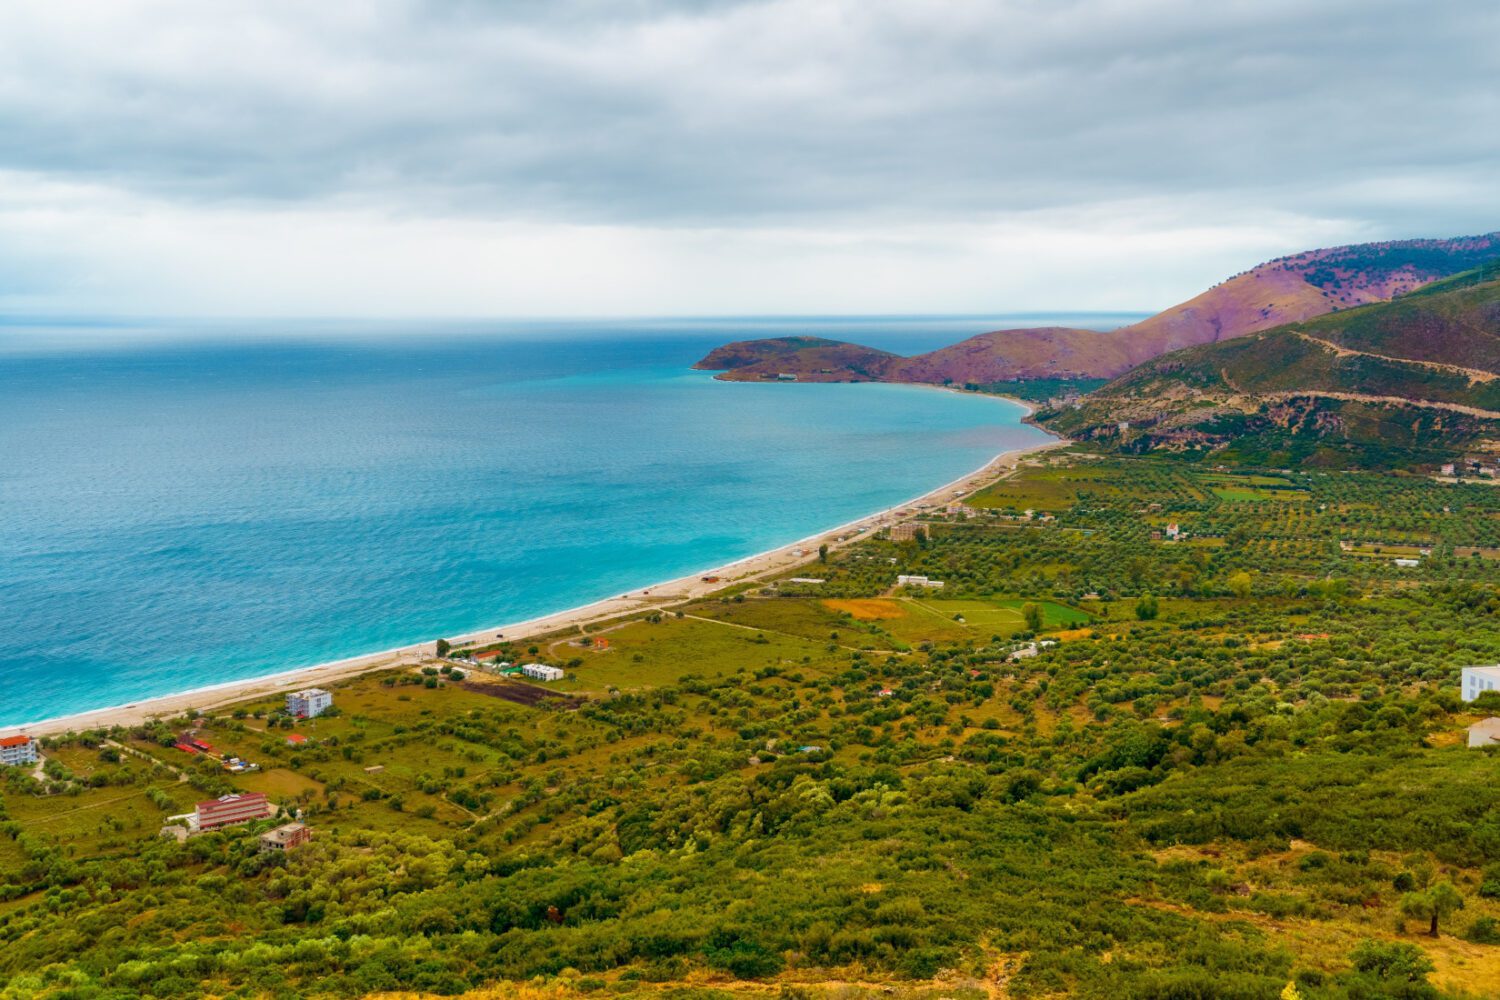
[(1004, 355), (1301, 286), (811, 359), (1289, 289), (1416, 380)]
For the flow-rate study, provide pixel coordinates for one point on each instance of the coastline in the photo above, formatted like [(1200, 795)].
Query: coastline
[(654, 597)]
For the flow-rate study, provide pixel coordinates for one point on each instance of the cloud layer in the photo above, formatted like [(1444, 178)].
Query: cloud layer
[(585, 157)]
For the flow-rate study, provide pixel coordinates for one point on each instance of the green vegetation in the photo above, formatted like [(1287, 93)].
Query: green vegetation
[(1040, 390), (1406, 383), (1096, 763)]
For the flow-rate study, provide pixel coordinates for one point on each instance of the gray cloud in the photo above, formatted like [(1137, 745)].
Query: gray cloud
[(741, 113), (803, 154)]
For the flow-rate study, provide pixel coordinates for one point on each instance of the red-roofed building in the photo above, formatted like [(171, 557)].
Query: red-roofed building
[(230, 809), (17, 750), (296, 739)]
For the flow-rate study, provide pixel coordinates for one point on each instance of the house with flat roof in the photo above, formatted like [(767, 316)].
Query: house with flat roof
[(309, 703), (284, 838), (1485, 733), (1474, 681), (542, 672), (16, 751)]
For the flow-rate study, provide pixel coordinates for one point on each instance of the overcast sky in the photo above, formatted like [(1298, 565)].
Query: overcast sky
[(658, 157)]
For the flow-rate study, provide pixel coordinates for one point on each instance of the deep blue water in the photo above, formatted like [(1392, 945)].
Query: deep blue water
[(178, 511)]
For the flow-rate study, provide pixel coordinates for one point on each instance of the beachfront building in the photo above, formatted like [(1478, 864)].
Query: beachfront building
[(308, 704), (1474, 681), (227, 810), (906, 531), (542, 672), (16, 751), (284, 838)]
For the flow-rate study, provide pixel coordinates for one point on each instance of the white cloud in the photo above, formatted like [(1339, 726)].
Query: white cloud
[(655, 157)]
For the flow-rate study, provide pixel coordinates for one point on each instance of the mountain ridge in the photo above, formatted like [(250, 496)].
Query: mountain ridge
[(1415, 379), (1293, 288)]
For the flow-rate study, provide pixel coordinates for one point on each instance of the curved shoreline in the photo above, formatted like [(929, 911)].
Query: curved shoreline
[(656, 596)]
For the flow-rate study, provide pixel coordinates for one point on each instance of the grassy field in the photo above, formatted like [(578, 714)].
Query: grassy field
[(647, 654), (928, 620), (1240, 761)]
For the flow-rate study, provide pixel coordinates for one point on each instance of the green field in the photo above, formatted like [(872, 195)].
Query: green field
[(1005, 616), (1240, 763)]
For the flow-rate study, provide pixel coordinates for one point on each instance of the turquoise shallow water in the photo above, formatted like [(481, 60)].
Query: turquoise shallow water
[(179, 513)]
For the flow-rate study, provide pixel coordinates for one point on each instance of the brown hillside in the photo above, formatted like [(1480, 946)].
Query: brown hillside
[(1290, 289), (1299, 287), (1047, 352)]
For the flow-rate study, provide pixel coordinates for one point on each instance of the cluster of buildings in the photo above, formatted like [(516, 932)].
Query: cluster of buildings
[(309, 703), (234, 810), (16, 751), (1471, 466)]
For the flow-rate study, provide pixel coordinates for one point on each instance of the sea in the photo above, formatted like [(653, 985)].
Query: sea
[(185, 503)]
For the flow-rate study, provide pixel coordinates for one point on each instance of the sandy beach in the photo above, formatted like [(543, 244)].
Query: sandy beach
[(654, 597)]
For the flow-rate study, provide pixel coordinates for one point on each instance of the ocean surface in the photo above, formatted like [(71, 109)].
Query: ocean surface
[(183, 504)]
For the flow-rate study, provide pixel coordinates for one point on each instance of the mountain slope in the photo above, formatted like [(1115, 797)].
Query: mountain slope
[(1289, 289), (1418, 377), (1004, 355), (1297, 288)]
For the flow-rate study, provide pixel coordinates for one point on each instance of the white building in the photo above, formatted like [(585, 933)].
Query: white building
[(542, 672), (1474, 681), (1408, 563), (308, 704), (905, 580), (17, 750), (1485, 733)]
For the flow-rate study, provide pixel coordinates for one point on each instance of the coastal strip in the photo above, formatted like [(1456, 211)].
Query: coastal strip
[(656, 597)]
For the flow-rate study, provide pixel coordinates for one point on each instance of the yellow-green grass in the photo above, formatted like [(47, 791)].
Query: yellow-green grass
[(1247, 480), (1056, 489), (1384, 551), (95, 819), (807, 618), (1004, 616), (1240, 494), (647, 654), (919, 623)]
